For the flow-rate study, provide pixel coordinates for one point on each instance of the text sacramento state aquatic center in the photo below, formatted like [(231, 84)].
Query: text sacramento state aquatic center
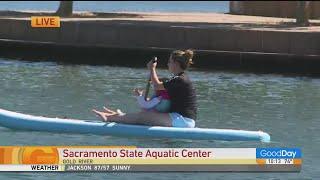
[(123, 153)]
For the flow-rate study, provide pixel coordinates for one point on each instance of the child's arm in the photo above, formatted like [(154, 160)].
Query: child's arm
[(147, 104)]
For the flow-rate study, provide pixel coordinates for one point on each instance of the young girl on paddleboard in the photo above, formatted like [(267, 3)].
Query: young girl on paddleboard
[(159, 102)]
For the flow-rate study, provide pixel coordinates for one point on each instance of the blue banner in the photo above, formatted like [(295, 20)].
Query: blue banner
[(270, 153)]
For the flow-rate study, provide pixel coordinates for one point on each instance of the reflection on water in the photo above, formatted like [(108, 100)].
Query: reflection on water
[(285, 107)]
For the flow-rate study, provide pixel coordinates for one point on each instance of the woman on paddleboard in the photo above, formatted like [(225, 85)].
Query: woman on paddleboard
[(183, 109)]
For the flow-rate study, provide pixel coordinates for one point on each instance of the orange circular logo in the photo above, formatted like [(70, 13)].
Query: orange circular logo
[(39, 155)]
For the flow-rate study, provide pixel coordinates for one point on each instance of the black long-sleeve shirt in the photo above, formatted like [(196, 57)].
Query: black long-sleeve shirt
[(182, 95)]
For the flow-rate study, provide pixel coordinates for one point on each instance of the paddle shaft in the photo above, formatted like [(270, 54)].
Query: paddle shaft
[(149, 82)]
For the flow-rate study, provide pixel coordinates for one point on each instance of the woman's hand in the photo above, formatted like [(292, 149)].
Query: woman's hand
[(152, 65)]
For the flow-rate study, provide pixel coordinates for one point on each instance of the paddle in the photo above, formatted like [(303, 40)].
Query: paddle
[(149, 81)]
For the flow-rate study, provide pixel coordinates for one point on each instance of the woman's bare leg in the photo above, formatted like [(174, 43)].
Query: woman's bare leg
[(143, 118), (108, 110), (103, 115)]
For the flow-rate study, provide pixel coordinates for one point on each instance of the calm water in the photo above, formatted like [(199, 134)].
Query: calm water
[(116, 6), (285, 107)]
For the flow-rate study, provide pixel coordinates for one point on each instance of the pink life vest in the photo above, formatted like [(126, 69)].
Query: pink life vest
[(163, 94)]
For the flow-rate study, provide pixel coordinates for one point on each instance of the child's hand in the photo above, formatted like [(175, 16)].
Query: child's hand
[(138, 92), (152, 64)]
